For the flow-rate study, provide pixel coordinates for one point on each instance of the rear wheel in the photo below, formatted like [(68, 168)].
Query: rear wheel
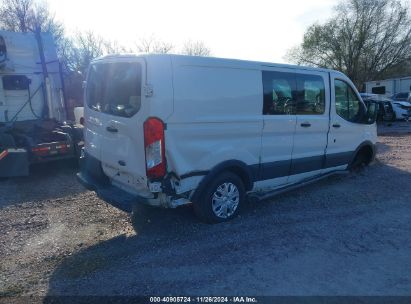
[(222, 199)]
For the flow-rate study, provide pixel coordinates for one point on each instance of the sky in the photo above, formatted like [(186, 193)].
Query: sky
[(260, 30)]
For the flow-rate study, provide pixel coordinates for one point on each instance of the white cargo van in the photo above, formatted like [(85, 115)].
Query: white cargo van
[(168, 130)]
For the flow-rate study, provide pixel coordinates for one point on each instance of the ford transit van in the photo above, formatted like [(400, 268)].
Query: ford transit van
[(169, 130)]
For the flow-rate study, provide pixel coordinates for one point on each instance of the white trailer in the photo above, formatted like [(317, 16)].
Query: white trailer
[(389, 87), (21, 69), (33, 126)]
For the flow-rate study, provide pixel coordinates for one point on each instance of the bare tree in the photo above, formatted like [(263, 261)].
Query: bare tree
[(153, 45), (113, 47), (367, 40), (77, 53), (195, 48), (29, 15), (81, 49), (15, 15)]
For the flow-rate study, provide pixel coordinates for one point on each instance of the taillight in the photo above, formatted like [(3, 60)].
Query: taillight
[(154, 148), (41, 151)]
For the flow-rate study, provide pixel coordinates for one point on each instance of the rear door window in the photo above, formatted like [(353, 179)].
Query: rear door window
[(311, 94), (114, 88)]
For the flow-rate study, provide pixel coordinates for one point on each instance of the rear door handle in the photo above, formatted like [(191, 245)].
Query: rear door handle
[(111, 129), (305, 124), (336, 125)]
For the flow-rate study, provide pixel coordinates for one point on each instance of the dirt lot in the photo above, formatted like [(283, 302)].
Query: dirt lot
[(347, 235)]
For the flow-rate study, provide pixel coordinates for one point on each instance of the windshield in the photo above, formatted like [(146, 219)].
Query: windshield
[(114, 88)]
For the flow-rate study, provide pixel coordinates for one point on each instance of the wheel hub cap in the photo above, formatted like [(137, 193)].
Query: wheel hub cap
[(225, 200)]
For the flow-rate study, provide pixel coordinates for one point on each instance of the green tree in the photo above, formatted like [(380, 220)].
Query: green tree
[(366, 40)]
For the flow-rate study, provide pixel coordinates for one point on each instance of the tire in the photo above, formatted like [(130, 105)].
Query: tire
[(359, 162), (216, 204)]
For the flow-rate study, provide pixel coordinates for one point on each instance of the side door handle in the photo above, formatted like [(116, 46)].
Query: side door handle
[(305, 124), (111, 129), (336, 125)]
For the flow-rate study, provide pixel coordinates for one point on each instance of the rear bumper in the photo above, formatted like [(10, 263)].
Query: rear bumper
[(45, 152), (92, 177)]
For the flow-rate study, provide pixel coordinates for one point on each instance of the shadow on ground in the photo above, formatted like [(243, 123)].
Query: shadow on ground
[(46, 181), (347, 235)]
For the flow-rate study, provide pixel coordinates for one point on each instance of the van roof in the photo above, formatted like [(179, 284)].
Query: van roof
[(215, 61)]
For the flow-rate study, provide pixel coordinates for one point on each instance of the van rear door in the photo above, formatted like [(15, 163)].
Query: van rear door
[(114, 120)]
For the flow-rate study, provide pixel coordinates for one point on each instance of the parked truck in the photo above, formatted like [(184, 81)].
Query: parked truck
[(33, 112)]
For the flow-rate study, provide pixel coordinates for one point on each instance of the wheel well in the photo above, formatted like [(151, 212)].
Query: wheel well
[(243, 175), (233, 166)]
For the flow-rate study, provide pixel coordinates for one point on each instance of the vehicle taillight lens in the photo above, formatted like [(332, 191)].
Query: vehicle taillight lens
[(41, 150), (154, 148)]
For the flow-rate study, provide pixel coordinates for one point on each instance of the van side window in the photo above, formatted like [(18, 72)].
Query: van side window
[(279, 93), (311, 94), (347, 104)]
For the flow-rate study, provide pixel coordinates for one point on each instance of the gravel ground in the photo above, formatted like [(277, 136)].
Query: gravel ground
[(346, 235)]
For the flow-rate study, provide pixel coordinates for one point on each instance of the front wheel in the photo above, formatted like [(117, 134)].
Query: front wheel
[(361, 160), (222, 199)]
